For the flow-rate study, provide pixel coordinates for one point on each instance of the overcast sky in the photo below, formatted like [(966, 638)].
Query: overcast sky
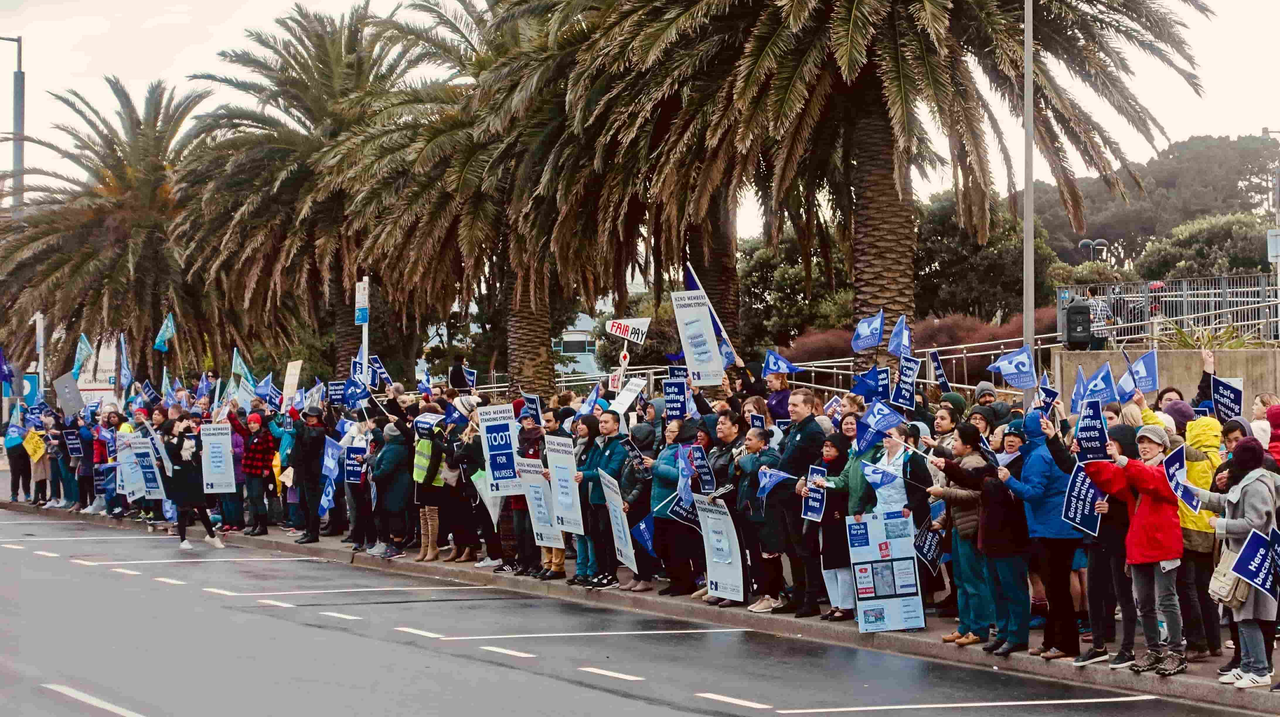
[(74, 43)]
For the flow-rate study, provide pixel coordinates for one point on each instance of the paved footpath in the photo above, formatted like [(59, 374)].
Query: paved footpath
[(98, 620)]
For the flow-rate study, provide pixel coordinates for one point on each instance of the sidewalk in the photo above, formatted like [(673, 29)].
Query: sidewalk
[(1198, 685)]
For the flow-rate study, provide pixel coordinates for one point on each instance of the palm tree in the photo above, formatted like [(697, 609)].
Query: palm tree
[(92, 252), (258, 218)]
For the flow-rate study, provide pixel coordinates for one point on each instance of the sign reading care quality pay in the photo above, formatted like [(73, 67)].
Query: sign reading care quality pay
[(497, 425)]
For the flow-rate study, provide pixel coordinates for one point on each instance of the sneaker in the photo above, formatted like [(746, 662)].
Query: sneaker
[(505, 568), (1090, 657), (1232, 666), (215, 541), (186, 545), (378, 550), (1148, 662), (607, 582), (764, 604), (1123, 658), (1173, 664), (489, 563), (1248, 681), (393, 552), (1231, 677)]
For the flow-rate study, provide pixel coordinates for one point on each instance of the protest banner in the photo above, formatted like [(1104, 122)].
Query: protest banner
[(725, 575), (292, 374), (622, 546), (697, 337), (816, 501), (542, 509), (882, 550), (1175, 470), (634, 330), (939, 374), (904, 391), (216, 458), (1079, 503), (1255, 563), (351, 468), (568, 503), (673, 393), (1228, 397), (702, 469), (498, 426), (1091, 433)]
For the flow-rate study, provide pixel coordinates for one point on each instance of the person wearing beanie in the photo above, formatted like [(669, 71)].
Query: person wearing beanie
[(259, 454), (392, 475), (1153, 545), (1182, 413), (956, 401), (1042, 486), (985, 394), (1247, 506), (984, 417)]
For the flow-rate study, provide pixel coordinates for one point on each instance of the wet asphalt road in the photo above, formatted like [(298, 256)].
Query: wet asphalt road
[(125, 620)]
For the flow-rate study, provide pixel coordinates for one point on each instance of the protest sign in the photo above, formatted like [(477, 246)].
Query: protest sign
[(1078, 505), (702, 469), (697, 337), (1255, 564), (130, 471), (680, 372), (333, 392), (34, 445), (144, 454), (904, 392), (725, 575), (1228, 397), (1175, 470), (292, 373), (542, 509), (71, 439), (622, 546), (216, 458), (939, 374), (634, 330), (68, 392), (816, 501), (882, 550), (1091, 433), (498, 426), (757, 420), (673, 393), (928, 547), (568, 503), (351, 468)]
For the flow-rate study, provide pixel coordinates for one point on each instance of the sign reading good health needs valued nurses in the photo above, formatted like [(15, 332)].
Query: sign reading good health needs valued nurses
[(698, 337), (882, 549), (498, 426)]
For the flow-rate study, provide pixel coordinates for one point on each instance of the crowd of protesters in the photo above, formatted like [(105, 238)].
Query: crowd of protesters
[(1000, 473)]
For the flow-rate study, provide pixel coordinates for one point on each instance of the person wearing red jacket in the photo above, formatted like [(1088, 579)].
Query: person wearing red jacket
[(1154, 543), (259, 453)]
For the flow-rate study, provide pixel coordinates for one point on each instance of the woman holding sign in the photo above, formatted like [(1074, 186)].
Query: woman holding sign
[(1246, 507), (183, 487)]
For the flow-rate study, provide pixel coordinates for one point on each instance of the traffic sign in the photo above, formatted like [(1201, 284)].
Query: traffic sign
[(362, 303)]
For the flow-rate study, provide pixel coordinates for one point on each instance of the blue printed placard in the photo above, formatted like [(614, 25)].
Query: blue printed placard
[(1256, 563), (1228, 397), (673, 393), (816, 502), (702, 469), (350, 466), (904, 392), (1079, 504), (1091, 433), (1175, 470), (943, 384)]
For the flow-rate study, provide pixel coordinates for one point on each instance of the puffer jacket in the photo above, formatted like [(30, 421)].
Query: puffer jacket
[(963, 503), (1042, 485), (1154, 531), (747, 471), (1204, 436), (666, 477), (1247, 506)]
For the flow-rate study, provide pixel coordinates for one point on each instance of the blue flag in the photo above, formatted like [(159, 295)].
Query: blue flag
[(900, 339), (424, 388), (869, 334), (354, 391), (866, 384), (642, 533), (1077, 393), (263, 389), (332, 465), (150, 392), (205, 388), (726, 352), (1101, 386), (14, 431), (170, 397), (878, 476), (588, 403), (773, 363), (299, 399), (882, 418), (454, 417), (1017, 368), (943, 384), (1143, 375), (867, 436), (83, 351), (6, 371), (167, 331), (126, 374)]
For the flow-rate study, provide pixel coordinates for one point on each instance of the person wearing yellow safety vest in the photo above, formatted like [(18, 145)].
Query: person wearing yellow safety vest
[(428, 491)]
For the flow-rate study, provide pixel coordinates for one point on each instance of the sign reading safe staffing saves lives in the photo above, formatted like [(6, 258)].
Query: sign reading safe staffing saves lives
[(698, 337), (498, 426)]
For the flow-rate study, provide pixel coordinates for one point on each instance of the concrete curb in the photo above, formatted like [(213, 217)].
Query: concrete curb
[(1195, 690)]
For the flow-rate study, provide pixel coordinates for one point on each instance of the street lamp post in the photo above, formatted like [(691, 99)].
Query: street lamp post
[(19, 126), (1028, 195)]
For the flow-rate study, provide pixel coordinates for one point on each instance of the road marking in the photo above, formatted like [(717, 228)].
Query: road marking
[(411, 631), (955, 705), (92, 537), (92, 701), (276, 603), (596, 634), (170, 581), (45, 553), (361, 590), (12, 547), (502, 651), (734, 701), (341, 616), (607, 673), (208, 560), (38, 522), (216, 591), (83, 562), (126, 572)]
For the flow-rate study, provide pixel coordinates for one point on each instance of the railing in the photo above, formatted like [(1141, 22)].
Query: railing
[(1137, 303)]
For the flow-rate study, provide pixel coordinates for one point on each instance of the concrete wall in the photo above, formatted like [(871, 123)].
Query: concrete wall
[(1260, 369)]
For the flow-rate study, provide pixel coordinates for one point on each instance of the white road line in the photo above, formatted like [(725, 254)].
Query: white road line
[(276, 603), (92, 537), (734, 701), (83, 562), (126, 572), (363, 590), (38, 522), (956, 705), (92, 701), (596, 634), (411, 631), (12, 547), (170, 581), (209, 560), (45, 553), (607, 673), (502, 651), (216, 591), (341, 616)]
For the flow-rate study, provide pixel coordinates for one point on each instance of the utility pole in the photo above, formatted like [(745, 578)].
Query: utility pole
[(19, 127), (1028, 197)]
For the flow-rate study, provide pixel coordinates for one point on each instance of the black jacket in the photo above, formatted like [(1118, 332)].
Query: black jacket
[(458, 378), (801, 447)]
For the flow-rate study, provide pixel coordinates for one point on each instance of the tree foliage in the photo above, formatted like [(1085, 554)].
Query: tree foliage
[(1209, 246)]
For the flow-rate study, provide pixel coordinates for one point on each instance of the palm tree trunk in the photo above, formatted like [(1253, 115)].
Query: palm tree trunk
[(713, 252), (347, 336), (529, 340), (884, 230)]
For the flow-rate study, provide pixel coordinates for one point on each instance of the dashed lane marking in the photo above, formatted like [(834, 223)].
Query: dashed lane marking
[(92, 701), (609, 673), (410, 630), (502, 651), (341, 616)]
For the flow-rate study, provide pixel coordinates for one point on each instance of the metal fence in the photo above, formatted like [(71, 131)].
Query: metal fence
[(1189, 302)]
